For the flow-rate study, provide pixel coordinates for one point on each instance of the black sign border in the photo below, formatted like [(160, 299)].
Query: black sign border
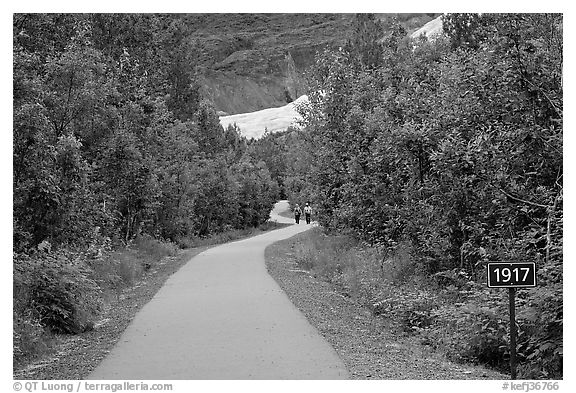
[(509, 264)]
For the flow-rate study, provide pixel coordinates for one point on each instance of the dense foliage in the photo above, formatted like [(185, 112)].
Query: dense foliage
[(439, 155), (114, 141), (449, 149)]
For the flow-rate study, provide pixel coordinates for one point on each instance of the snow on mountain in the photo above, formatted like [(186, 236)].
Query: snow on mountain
[(253, 124), (431, 29)]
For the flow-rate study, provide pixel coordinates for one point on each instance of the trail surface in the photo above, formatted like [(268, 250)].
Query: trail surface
[(221, 316)]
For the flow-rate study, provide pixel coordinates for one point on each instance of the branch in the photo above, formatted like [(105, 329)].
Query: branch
[(524, 73), (558, 111), (523, 200), (560, 175)]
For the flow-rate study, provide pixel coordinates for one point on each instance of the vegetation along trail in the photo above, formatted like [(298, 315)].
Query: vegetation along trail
[(428, 144), (223, 317)]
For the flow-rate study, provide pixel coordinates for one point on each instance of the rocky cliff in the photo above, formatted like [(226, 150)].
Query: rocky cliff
[(250, 62)]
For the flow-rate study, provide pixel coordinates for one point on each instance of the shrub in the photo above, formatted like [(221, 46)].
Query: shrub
[(411, 308), (541, 340), (57, 288), (128, 266), (397, 265), (154, 249), (124, 267), (475, 334), (450, 310)]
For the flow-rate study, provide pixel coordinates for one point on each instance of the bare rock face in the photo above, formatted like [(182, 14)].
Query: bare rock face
[(250, 62), (234, 94)]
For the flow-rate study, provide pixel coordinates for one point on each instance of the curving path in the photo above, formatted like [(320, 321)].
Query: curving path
[(221, 316)]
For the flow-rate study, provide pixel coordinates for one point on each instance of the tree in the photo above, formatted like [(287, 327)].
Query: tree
[(211, 139), (257, 192), (365, 42), (131, 183)]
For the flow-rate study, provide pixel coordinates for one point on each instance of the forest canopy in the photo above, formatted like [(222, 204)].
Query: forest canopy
[(111, 132)]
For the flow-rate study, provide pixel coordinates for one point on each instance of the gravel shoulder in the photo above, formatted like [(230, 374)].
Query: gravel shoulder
[(366, 344)]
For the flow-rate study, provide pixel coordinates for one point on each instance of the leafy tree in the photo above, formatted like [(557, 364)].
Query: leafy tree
[(271, 149), (365, 40), (215, 207), (44, 34), (211, 137), (131, 181), (257, 192), (465, 30)]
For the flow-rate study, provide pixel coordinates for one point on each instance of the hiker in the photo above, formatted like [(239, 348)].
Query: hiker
[(307, 212), (297, 213)]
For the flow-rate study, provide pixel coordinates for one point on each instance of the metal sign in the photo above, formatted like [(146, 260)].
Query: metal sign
[(511, 274)]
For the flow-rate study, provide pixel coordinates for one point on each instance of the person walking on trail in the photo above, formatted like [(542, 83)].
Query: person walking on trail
[(307, 212), (297, 213)]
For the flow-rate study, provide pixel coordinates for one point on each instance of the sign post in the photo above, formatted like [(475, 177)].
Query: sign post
[(512, 305), (512, 275)]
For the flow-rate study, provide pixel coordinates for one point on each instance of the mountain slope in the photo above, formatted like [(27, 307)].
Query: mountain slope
[(250, 62)]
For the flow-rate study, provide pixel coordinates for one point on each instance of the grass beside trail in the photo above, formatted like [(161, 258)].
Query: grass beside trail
[(371, 346), (143, 270)]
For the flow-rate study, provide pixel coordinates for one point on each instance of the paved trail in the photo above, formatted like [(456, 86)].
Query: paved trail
[(221, 316)]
